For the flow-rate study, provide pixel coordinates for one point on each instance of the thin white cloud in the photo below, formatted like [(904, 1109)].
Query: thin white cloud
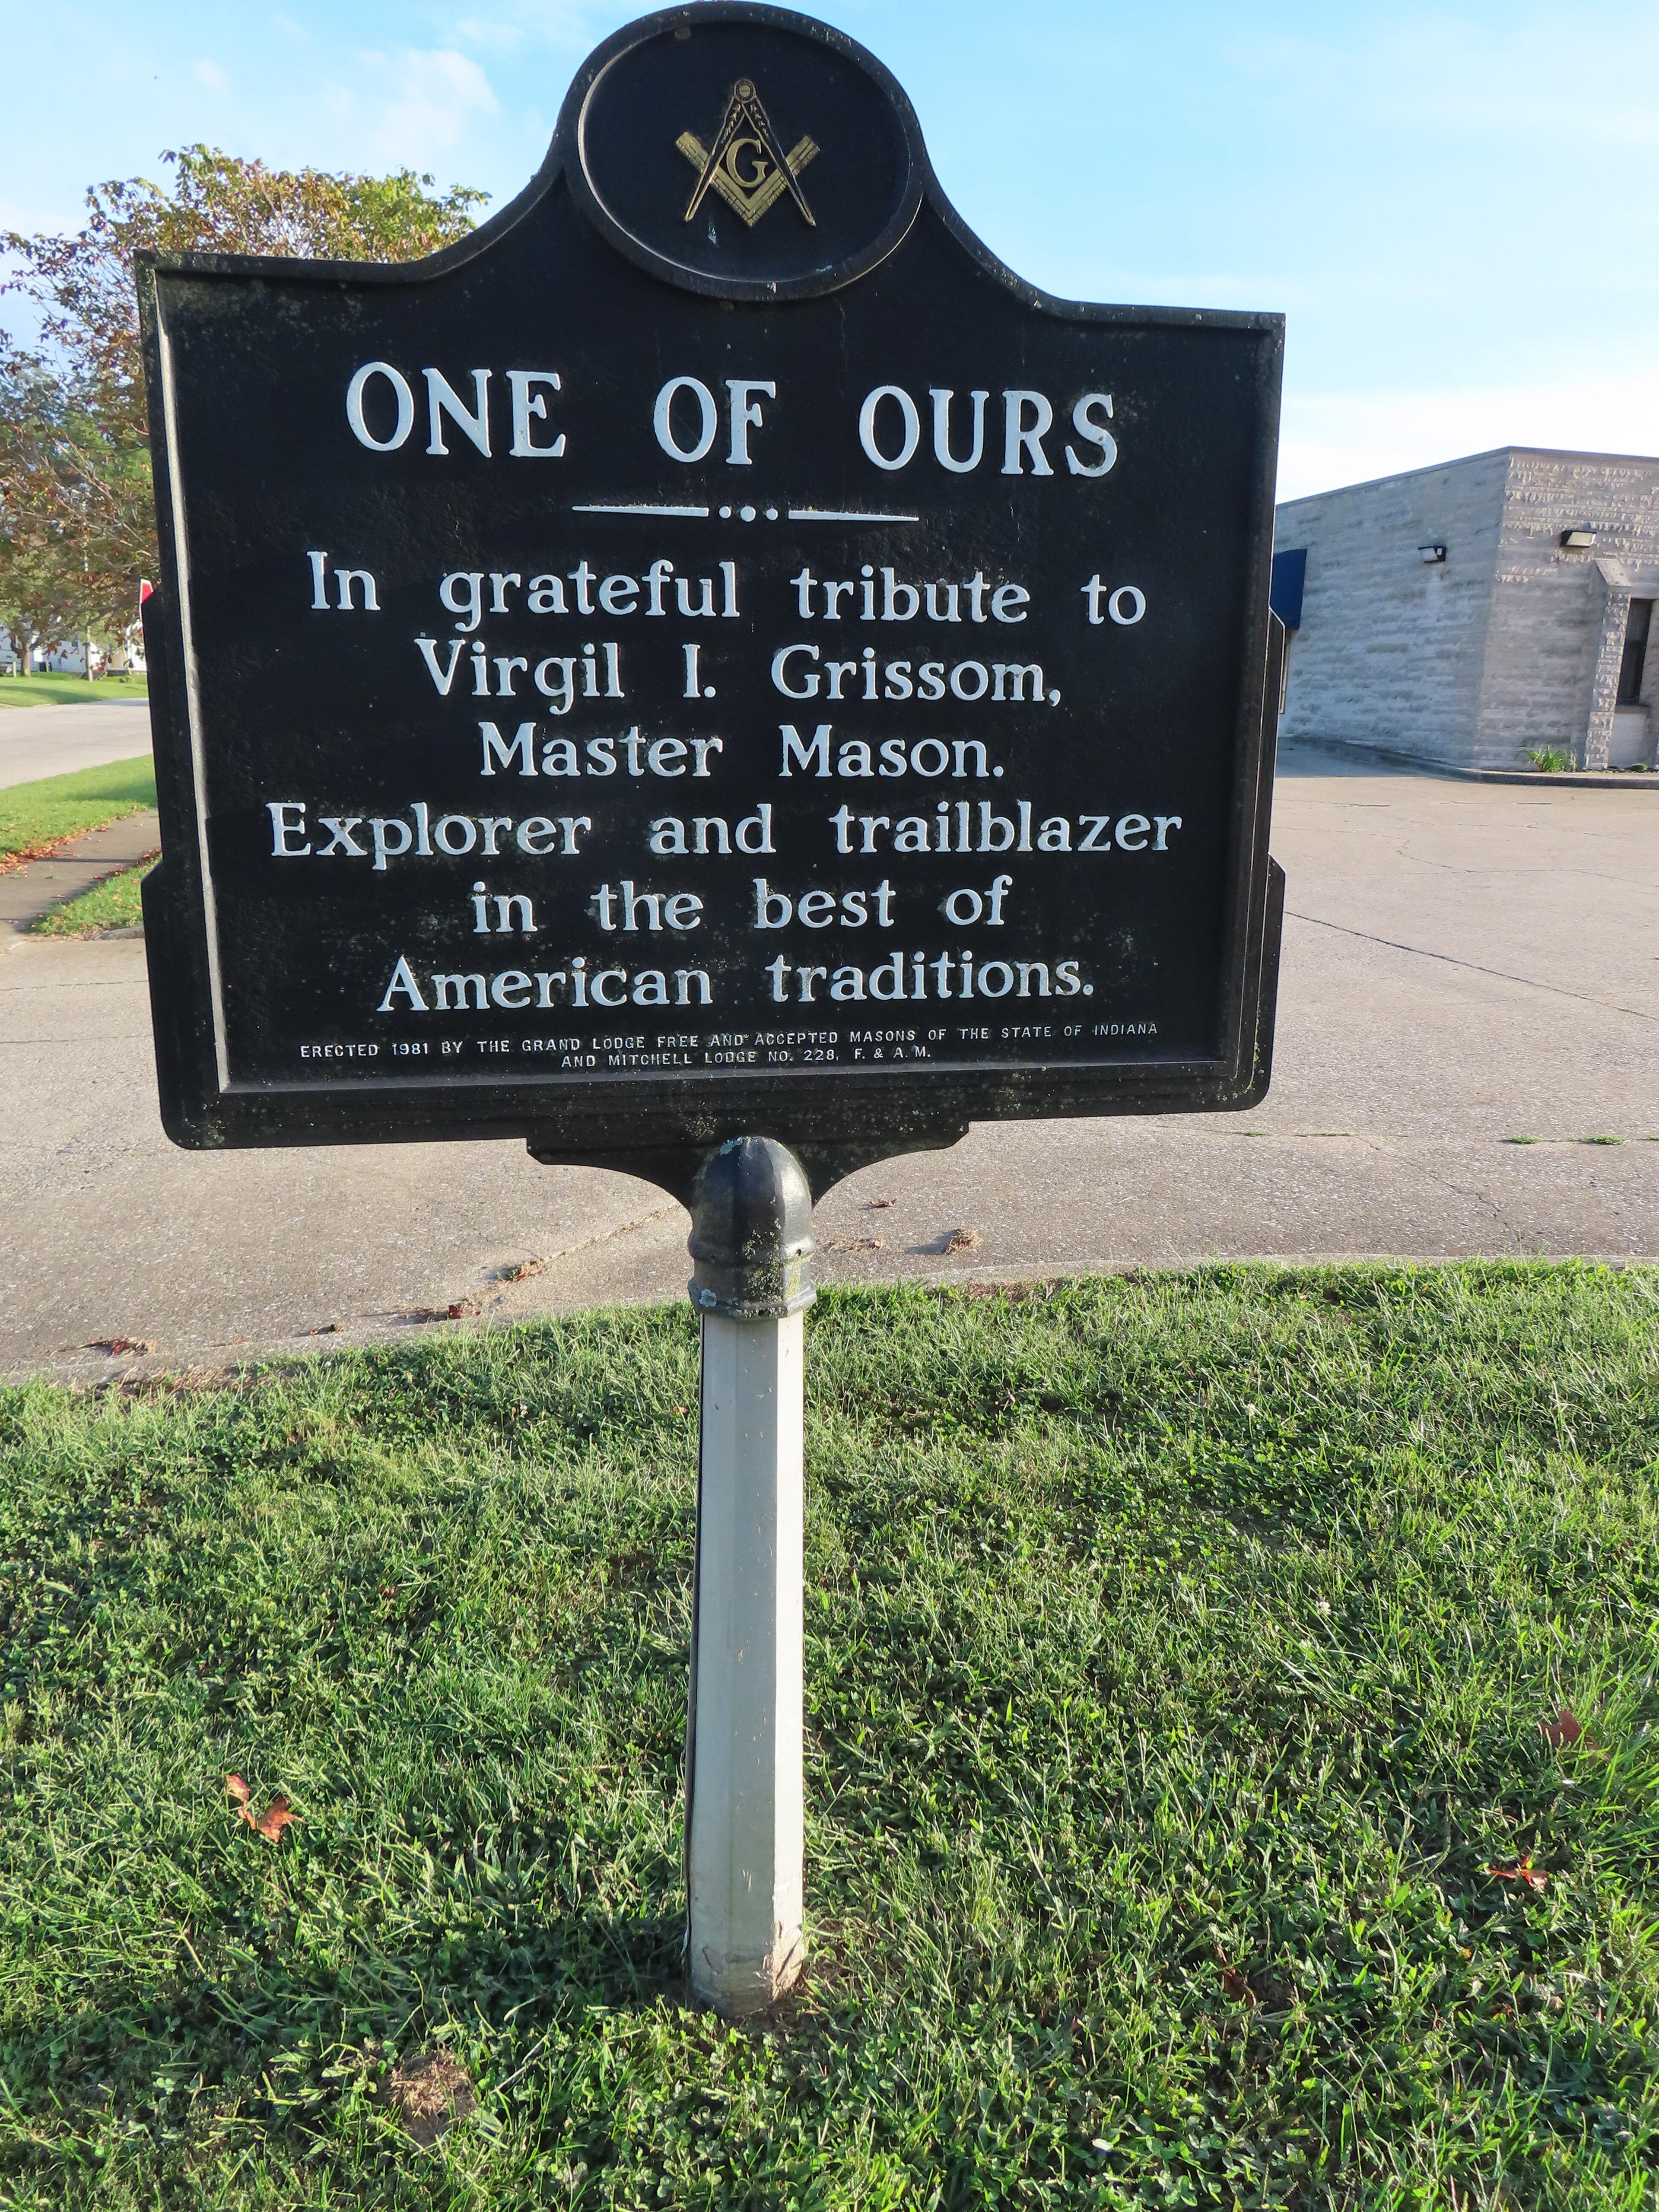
[(420, 103), (497, 37), (211, 76), (1349, 438), (572, 26)]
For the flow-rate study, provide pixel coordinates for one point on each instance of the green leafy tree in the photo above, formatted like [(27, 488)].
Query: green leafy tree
[(76, 522)]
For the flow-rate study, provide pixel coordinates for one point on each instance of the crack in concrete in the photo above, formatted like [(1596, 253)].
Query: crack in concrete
[(1500, 876), (1474, 967), (608, 1235), (1420, 1168)]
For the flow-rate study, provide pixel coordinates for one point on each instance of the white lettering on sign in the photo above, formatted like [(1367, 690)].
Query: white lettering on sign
[(927, 976), (685, 419), (889, 756), (357, 392), (529, 408), (348, 582), (819, 598), (1084, 423), (442, 399), (775, 910), (962, 825), (910, 432), (1125, 603), (711, 833), (942, 452), (641, 756), (890, 431), (662, 418), (392, 837), (795, 674), (576, 984), (1021, 437), (528, 403), (745, 416)]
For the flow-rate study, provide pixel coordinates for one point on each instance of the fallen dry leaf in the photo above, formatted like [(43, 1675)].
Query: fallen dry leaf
[(1532, 1876), (875, 1205), (272, 1822), (116, 1346), (960, 1240), (1563, 1732), (1232, 1982), (522, 1270)]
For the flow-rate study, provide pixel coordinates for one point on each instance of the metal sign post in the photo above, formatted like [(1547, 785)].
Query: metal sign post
[(751, 1242)]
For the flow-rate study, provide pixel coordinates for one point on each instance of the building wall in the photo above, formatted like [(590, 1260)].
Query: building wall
[(1512, 643), (1550, 605), (1391, 650)]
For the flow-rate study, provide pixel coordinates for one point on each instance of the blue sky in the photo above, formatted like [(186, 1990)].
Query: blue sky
[(1453, 205)]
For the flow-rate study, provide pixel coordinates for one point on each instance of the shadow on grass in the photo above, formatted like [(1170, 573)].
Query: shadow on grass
[(282, 2044)]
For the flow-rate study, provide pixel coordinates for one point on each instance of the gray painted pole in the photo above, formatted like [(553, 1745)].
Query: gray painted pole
[(751, 1242)]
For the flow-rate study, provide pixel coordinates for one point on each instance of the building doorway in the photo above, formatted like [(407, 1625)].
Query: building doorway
[(1632, 742)]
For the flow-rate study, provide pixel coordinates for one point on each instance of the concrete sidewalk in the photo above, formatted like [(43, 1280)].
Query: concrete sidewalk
[(1463, 963), (39, 741), (29, 891)]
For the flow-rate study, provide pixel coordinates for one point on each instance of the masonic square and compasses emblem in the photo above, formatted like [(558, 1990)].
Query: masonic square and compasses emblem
[(745, 165)]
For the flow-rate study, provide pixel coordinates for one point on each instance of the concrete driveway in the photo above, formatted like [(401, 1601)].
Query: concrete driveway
[(1463, 965), (36, 741)]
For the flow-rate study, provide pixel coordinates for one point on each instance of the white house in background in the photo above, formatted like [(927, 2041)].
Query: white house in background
[(1473, 612), (69, 656)]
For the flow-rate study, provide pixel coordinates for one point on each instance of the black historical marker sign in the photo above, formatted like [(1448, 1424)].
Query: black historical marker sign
[(713, 652)]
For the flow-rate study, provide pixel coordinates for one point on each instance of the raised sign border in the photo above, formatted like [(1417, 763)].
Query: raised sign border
[(661, 1117)]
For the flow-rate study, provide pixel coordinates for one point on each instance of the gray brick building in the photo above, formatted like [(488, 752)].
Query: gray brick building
[(1471, 612)]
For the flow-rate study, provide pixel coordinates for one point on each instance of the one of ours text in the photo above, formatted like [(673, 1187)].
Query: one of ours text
[(687, 420)]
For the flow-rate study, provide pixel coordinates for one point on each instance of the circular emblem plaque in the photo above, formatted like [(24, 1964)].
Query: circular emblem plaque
[(741, 151)]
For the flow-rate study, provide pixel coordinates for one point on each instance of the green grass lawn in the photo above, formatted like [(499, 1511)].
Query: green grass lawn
[(112, 904), (69, 690), (35, 816), (1177, 1654)]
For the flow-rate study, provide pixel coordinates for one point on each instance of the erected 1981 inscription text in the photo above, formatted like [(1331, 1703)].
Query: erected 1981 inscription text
[(713, 651)]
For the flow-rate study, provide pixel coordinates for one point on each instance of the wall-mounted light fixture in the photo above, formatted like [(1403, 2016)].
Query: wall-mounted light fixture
[(1431, 556), (1578, 541)]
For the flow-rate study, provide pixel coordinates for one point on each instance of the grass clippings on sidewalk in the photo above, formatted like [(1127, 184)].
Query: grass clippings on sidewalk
[(37, 817), (109, 906), (1192, 1818), (70, 690)]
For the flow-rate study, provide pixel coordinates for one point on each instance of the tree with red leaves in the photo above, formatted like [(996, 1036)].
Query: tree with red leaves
[(76, 526)]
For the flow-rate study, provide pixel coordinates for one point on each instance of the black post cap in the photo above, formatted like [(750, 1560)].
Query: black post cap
[(751, 1240)]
